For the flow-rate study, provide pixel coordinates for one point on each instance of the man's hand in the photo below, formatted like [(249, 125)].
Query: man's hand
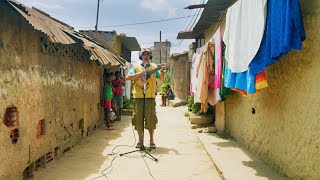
[(141, 74)]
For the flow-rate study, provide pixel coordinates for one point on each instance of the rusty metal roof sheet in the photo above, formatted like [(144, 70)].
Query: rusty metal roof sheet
[(97, 37), (59, 32)]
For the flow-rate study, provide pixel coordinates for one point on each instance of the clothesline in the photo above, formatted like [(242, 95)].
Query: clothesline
[(280, 30)]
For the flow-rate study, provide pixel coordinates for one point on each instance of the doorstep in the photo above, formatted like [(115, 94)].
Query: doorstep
[(128, 112), (177, 102), (233, 161)]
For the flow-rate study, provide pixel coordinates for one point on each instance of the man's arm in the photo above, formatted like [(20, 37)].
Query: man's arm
[(133, 75)]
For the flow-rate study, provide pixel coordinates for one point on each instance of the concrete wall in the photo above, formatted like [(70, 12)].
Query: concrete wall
[(165, 47), (285, 128), (109, 37), (180, 77), (126, 54), (62, 91)]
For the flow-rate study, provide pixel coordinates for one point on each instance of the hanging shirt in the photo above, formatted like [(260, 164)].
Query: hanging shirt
[(224, 90), (284, 31), (204, 70), (196, 82), (245, 23), (245, 82), (217, 39)]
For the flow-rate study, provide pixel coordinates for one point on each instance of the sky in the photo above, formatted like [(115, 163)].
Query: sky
[(81, 14)]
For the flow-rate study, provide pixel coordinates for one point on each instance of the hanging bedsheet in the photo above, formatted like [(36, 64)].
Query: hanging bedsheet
[(284, 31), (245, 24)]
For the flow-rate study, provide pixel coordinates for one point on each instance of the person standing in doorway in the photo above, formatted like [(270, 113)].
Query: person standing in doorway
[(118, 93), (108, 94), (151, 119)]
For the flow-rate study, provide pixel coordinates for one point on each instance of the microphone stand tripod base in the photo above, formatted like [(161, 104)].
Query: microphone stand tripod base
[(142, 148)]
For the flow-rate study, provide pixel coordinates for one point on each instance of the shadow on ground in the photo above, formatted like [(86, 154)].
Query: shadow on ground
[(87, 157)]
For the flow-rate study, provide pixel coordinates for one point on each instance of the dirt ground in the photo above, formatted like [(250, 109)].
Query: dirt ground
[(180, 154)]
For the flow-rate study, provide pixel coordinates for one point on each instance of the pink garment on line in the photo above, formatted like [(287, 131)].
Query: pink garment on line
[(217, 39)]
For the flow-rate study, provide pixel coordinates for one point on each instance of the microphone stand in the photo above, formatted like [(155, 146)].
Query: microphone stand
[(142, 147)]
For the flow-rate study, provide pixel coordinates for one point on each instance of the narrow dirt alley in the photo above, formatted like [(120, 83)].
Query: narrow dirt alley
[(181, 155)]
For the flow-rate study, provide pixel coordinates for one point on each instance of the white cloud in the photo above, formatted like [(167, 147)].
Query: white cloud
[(159, 6)]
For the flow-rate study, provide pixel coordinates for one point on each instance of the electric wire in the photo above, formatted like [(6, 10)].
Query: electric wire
[(140, 23)]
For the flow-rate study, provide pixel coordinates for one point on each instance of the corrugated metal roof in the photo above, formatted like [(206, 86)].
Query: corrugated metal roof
[(59, 32), (97, 37)]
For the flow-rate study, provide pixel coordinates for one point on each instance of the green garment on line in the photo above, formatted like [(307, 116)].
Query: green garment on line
[(224, 91)]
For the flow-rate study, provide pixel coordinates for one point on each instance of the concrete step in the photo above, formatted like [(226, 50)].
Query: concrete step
[(234, 161), (177, 102), (201, 120)]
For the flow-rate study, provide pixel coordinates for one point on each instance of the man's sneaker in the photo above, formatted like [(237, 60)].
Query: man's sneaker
[(152, 146), (139, 145)]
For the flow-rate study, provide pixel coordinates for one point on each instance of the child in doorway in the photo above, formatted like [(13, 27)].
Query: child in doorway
[(108, 94)]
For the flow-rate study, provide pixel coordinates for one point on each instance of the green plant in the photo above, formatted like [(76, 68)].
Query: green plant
[(190, 102), (195, 107), (165, 82), (127, 104)]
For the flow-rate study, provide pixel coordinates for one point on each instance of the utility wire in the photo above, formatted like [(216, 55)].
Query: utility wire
[(194, 18), (140, 23)]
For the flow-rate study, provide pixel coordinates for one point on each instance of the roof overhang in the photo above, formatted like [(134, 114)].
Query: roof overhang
[(177, 55), (212, 12), (61, 33), (186, 35), (130, 43)]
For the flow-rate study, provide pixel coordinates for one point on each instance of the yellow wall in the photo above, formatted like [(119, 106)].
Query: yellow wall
[(285, 129), (43, 86), (117, 44)]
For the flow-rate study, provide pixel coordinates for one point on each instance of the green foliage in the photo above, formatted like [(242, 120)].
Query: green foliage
[(190, 102), (127, 104), (166, 81), (195, 107)]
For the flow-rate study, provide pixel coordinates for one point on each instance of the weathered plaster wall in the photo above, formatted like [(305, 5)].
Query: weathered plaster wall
[(285, 128), (60, 90), (180, 77)]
